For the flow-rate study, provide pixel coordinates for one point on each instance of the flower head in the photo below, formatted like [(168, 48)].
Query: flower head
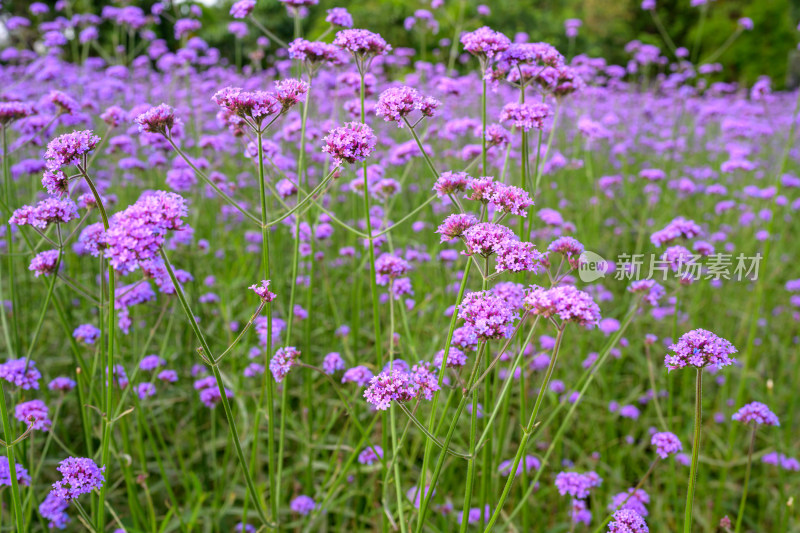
[(242, 8), (339, 16), (363, 43), (488, 315), (33, 412), (302, 504), (627, 521), (350, 143), (485, 42), (526, 116), (21, 372), (283, 361), (81, 475), (263, 292), (756, 413), (69, 148), (666, 444), (700, 348), (158, 119), (564, 301)]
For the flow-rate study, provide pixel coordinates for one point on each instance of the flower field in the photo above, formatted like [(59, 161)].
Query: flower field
[(331, 286)]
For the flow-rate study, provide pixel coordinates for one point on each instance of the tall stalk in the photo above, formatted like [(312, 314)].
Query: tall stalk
[(16, 499), (698, 427), (254, 495), (740, 514)]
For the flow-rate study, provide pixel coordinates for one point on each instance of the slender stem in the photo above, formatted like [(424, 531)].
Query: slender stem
[(528, 430), (698, 427), (12, 465), (740, 515), (254, 495)]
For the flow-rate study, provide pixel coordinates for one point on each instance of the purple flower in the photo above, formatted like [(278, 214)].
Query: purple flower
[(389, 267), (485, 42), (253, 106), (757, 413), (332, 363), (54, 510), (152, 362), (283, 361), (362, 43), (634, 500), (137, 233), (44, 263), (677, 228), (486, 238), (627, 521), (370, 455), (360, 375), (388, 386), (21, 372), (290, 92), (159, 119), (44, 213), (86, 333), (577, 485), (569, 247), (565, 301), (455, 358), (35, 413), (13, 111), (526, 116), (242, 8), (263, 291), (653, 292), (488, 315), (80, 476), (145, 390), (5, 473), (339, 16), (350, 143), (516, 256), (455, 226), (61, 383), (666, 444), (314, 52), (396, 103), (302, 505), (169, 376), (700, 348)]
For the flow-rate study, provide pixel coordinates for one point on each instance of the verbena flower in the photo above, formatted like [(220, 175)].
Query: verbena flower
[(48, 211), (756, 413), (564, 301), (577, 485), (362, 43), (283, 361), (389, 386), (627, 521), (485, 42), (666, 444), (242, 8), (44, 263), (21, 372), (350, 143), (302, 504), (370, 455), (5, 473), (54, 510), (159, 119), (360, 375), (81, 475), (487, 314), (455, 226), (332, 363), (339, 16), (700, 348), (34, 412), (263, 292), (526, 116)]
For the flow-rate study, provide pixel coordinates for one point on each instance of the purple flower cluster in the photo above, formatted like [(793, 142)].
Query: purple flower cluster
[(577, 485), (48, 211), (564, 301), (44, 263), (263, 292), (350, 143), (526, 116), (81, 475), (700, 348), (69, 148), (451, 183), (666, 444), (314, 52), (396, 103), (21, 372), (34, 412), (54, 510), (389, 267), (302, 504), (242, 8), (627, 521), (5, 473), (456, 225), (370, 455), (489, 316), (362, 43), (677, 228), (159, 119), (137, 233), (397, 384), (756, 413), (13, 111), (283, 361), (485, 42)]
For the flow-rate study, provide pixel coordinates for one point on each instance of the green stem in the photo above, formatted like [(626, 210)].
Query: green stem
[(223, 396), (698, 428), (528, 430), (740, 515), (12, 464)]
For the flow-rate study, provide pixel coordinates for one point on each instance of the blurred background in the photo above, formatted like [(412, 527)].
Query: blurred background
[(769, 48)]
